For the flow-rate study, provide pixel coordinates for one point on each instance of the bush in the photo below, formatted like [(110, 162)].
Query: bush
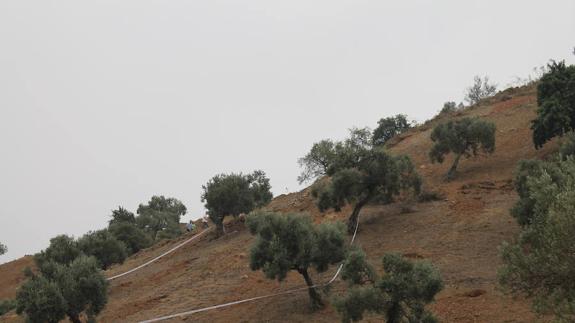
[(556, 101), (104, 247), (400, 295), (292, 242), (63, 290), (3, 249), (540, 264), (464, 137), (63, 249), (448, 107), (234, 194), (568, 146), (480, 90), (132, 236), (122, 215)]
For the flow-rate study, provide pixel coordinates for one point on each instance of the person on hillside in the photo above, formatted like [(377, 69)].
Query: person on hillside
[(190, 226)]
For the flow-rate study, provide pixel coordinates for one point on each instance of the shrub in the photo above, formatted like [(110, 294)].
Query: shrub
[(132, 236), (292, 242), (390, 127), (63, 249), (568, 146), (122, 215), (540, 264), (463, 137), (448, 107), (556, 100), (480, 90), (104, 247), (62, 290), (234, 194), (3, 249), (400, 295)]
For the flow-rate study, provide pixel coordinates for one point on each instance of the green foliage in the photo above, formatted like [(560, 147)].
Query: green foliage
[(7, 305), (540, 264), (360, 175), (464, 137), (122, 215), (390, 127), (63, 290), (3, 249), (356, 270), (233, 194), (317, 161), (292, 242), (556, 100), (63, 249), (160, 218), (104, 247), (131, 235), (568, 146), (480, 90), (448, 107), (400, 295)]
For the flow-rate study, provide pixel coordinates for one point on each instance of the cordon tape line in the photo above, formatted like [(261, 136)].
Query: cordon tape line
[(246, 300), (160, 256)]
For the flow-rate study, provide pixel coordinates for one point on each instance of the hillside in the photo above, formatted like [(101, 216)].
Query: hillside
[(460, 234)]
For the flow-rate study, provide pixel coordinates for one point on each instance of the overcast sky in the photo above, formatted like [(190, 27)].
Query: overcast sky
[(106, 103)]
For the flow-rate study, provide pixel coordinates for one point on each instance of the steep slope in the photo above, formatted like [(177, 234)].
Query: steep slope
[(460, 234)]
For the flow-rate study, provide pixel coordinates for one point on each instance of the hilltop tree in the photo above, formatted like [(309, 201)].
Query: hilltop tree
[(316, 162), (63, 249), (234, 194), (400, 295), (62, 290), (3, 249), (361, 175), (463, 137), (161, 217), (104, 247), (390, 127), (540, 264), (122, 215), (556, 101), (292, 242), (480, 90)]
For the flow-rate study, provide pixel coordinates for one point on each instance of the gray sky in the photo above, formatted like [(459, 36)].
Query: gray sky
[(106, 103)]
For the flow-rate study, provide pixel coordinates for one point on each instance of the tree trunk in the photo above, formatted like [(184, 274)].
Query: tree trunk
[(315, 298), (451, 173), (353, 218), (394, 313), (75, 318), (220, 229)]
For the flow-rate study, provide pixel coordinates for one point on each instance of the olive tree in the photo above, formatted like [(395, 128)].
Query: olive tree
[(288, 242), (556, 101), (63, 290), (390, 127), (104, 247), (540, 263), (480, 90), (316, 162), (463, 137), (400, 294), (360, 176), (122, 215), (63, 249), (234, 194), (132, 236), (161, 217)]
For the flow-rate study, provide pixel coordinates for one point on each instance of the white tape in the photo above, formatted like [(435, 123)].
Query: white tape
[(160, 256), (291, 291)]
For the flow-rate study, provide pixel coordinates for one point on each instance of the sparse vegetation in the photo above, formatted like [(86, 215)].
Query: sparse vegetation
[(400, 295), (464, 137), (288, 242), (3, 249), (556, 101), (390, 127), (235, 194), (62, 290), (540, 263), (480, 90)]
